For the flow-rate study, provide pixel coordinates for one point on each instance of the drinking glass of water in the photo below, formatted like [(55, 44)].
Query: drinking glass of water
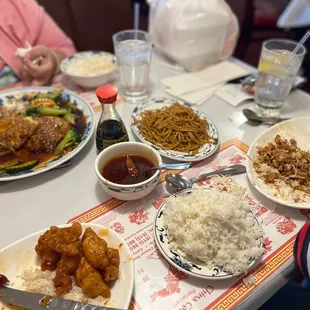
[(133, 53), (277, 68)]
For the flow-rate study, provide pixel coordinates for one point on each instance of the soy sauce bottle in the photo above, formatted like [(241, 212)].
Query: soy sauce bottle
[(110, 129)]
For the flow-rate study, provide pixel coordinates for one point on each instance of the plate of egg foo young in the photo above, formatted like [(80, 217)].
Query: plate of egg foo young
[(40, 129)]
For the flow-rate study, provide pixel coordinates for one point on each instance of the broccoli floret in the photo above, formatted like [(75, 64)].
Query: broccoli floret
[(33, 112), (70, 118), (71, 138), (56, 93)]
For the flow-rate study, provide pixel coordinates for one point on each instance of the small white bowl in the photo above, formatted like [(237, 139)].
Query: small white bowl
[(89, 81), (132, 191)]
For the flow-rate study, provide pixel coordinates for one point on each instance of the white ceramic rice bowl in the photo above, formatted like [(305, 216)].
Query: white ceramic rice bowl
[(89, 81)]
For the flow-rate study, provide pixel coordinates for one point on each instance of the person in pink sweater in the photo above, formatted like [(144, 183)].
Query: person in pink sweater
[(25, 22)]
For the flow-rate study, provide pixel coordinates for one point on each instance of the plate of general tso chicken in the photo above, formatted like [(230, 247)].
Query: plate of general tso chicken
[(40, 129), (278, 163), (83, 262)]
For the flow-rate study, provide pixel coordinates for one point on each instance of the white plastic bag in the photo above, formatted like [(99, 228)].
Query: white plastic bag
[(194, 33)]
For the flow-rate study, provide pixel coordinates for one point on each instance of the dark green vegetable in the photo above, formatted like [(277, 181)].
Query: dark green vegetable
[(22, 167), (9, 163), (53, 95), (56, 93), (70, 118), (71, 138), (33, 112), (44, 110)]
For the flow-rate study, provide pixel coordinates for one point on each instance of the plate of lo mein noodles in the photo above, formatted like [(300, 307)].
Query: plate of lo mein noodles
[(175, 130)]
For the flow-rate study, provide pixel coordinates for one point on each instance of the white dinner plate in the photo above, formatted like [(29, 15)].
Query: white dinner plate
[(7, 96), (156, 103), (178, 259), (21, 255), (298, 129)]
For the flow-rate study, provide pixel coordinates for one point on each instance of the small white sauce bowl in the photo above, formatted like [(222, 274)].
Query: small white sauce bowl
[(132, 191), (89, 81)]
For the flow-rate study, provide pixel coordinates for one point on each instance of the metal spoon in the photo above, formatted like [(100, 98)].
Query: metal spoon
[(181, 182), (180, 166), (253, 117)]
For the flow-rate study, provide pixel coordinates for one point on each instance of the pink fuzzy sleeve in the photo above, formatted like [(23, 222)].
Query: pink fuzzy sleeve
[(49, 34), (24, 21)]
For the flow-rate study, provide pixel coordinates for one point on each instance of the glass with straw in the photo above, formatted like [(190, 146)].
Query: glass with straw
[(279, 63)]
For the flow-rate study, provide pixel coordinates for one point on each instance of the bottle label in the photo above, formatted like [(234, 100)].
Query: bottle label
[(102, 143), (109, 132), (107, 143)]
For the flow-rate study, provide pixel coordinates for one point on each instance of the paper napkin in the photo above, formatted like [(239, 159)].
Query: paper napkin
[(21, 52), (196, 88), (233, 94), (197, 97), (211, 76)]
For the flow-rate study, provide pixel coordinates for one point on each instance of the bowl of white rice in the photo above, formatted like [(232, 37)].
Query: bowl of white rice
[(90, 69), (208, 234)]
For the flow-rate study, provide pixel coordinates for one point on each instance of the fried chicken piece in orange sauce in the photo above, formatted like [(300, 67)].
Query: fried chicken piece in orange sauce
[(67, 266), (62, 280), (113, 256), (65, 240), (90, 280), (89, 233), (72, 262), (48, 256), (95, 249), (110, 273)]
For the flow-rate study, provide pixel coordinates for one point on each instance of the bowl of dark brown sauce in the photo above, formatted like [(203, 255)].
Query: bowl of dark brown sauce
[(122, 170)]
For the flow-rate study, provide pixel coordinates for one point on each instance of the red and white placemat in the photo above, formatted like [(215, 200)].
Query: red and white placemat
[(158, 285)]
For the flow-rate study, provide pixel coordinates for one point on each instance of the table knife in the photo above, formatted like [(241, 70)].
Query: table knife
[(35, 301)]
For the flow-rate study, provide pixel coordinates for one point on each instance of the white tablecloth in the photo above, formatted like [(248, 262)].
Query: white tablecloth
[(52, 198)]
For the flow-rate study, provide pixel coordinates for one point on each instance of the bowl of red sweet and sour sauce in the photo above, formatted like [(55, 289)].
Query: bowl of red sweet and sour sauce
[(111, 167)]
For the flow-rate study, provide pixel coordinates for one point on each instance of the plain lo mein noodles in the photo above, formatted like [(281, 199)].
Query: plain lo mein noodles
[(176, 128)]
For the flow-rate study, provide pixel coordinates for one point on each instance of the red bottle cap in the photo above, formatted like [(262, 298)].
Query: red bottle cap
[(107, 93)]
